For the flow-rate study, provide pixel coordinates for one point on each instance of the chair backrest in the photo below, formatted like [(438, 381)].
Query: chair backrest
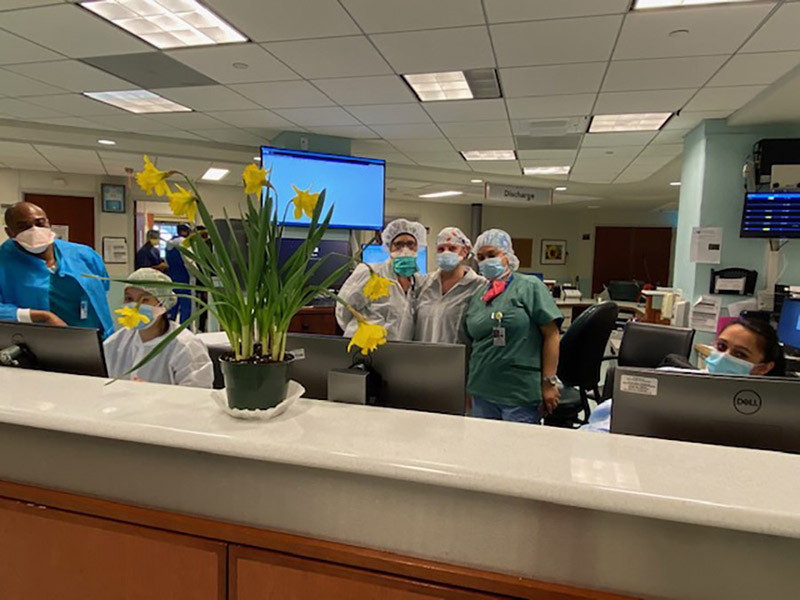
[(624, 291), (646, 345), (583, 345)]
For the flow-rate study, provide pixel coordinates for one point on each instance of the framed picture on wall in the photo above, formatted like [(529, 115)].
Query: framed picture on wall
[(113, 197), (115, 250), (554, 252)]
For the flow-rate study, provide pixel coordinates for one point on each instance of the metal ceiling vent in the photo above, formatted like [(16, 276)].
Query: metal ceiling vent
[(483, 83), (552, 134)]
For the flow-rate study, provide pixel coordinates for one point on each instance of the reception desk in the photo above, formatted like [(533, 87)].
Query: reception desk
[(154, 489)]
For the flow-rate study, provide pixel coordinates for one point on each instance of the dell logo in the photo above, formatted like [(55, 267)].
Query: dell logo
[(747, 402)]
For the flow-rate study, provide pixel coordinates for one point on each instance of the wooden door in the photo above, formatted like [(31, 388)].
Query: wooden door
[(52, 554), (625, 253), (77, 212)]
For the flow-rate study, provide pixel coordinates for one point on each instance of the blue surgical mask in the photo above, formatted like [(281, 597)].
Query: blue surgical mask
[(448, 261), (148, 310), (492, 268), (405, 266), (722, 363)]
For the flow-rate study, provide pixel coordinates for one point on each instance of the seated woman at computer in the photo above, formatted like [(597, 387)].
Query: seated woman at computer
[(42, 279), (743, 347), (395, 312), (185, 361)]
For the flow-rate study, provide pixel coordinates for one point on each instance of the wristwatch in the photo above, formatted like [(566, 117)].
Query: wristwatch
[(550, 379)]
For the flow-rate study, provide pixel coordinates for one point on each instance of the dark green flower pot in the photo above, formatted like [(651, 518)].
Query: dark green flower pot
[(255, 386)]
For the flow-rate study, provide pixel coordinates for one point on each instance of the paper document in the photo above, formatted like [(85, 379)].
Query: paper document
[(737, 308), (706, 245), (735, 284), (705, 314)]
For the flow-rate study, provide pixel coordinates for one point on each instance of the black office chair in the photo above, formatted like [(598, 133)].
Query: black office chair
[(580, 356), (646, 345)]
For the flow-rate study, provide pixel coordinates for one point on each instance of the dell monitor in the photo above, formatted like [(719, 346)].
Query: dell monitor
[(73, 350), (375, 253), (771, 215), (789, 325)]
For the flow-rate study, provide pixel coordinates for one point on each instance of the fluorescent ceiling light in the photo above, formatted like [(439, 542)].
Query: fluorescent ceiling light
[(561, 189), (429, 87), (630, 122), (646, 4), (107, 142), (167, 23), (442, 194), (257, 158), (214, 174), (476, 180), (138, 101), (489, 155), (560, 170), (675, 183)]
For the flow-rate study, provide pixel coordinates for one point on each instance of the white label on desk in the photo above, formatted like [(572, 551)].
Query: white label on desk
[(646, 386), (299, 354)]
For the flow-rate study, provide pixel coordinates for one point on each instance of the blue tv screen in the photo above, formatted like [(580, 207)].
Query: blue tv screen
[(375, 253), (355, 186)]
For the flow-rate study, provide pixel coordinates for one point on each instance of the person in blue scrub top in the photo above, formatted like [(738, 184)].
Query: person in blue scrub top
[(43, 279), (149, 255), (513, 324), (179, 274)]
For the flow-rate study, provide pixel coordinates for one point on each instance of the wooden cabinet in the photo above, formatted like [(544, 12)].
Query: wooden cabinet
[(312, 319)]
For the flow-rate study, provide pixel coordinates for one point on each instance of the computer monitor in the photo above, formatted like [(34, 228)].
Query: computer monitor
[(335, 253), (375, 253), (789, 324), (74, 350), (748, 412)]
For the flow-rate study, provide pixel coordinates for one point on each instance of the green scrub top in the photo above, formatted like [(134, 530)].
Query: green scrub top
[(512, 374)]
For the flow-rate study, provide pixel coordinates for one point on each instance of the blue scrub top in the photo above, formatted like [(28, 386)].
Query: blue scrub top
[(148, 256)]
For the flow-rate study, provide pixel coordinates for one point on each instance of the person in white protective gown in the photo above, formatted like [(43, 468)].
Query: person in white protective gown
[(395, 312), (185, 361), (444, 295)]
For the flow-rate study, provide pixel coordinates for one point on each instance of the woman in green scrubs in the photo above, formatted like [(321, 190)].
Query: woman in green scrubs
[(513, 324)]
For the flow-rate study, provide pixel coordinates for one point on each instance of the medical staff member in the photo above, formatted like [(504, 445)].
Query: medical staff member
[(185, 360), (43, 279), (149, 255), (444, 295), (513, 324), (179, 274), (395, 312)]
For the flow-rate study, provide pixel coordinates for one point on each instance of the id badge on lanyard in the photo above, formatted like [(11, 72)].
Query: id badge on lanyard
[(84, 309), (498, 331)]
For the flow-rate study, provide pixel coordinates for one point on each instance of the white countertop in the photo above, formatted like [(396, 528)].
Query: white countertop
[(738, 489)]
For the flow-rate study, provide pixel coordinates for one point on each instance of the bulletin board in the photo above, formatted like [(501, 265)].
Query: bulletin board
[(523, 248)]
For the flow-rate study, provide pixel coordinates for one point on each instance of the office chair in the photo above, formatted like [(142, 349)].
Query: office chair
[(646, 345), (580, 356), (624, 291)]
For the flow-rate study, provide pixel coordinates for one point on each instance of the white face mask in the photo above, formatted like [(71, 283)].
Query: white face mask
[(35, 239)]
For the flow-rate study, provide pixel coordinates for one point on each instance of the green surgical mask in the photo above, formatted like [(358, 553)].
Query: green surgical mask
[(404, 266)]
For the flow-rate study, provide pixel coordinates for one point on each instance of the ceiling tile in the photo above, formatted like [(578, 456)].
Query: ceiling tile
[(283, 94), (545, 107), (689, 120), (69, 122), (231, 135), (347, 131), (555, 42), (72, 75), (606, 140), (500, 167), (592, 174), (407, 15), (512, 11), (75, 105), (756, 69), (550, 81), (483, 143), (779, 33), (72, 160), (466, 110), (547, 156), (12, 4), (331, 57), (646, 33), (609, 103), (207, 97), (269, 20), (14, 49), (327, 115), (69, 29), (421, 145), (389, 114), (722, 98), (670, 150), (381, 89), (661, 73), (611, 154), (14, 85), (10, 150), (250, 118), (670, 136), (129, 122), (186, 120), (436, 50), (23, 109), (476, 129), (217, 63)]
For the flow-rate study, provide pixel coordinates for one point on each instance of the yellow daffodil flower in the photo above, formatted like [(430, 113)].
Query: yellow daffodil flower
[(151, 180), (377, 286), (368, 337), (183, 203), (304, 202), (254, 179), (131, 317)]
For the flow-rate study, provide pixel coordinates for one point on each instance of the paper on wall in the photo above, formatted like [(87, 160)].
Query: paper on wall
[(705, 314), (737, 308), (706, 245), (736, 284)]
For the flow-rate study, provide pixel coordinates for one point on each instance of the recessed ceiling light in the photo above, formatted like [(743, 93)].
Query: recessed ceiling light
[(561, 189), (214, 174), (629, 122), (138, 101), (167, 23), (559, 170), (675, 183), (442, 194), (107, 142), (489, 154), (476, 180), (647, 4), (451, 85), (257, 158)]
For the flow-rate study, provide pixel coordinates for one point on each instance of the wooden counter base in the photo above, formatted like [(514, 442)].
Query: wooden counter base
[(58, 544)]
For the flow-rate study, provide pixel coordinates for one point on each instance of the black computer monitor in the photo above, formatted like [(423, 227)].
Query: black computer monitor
[(74, 350), (789, 325), (335, 253)]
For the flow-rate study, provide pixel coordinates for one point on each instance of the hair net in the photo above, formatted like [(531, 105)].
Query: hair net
[(164, 295), (453, 235), (401, 226), (501, 240)]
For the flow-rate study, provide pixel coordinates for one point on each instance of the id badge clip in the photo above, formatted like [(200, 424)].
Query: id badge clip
[(498, 331)]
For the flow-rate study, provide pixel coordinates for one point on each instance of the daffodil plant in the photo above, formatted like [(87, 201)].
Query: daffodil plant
[(251, 294)]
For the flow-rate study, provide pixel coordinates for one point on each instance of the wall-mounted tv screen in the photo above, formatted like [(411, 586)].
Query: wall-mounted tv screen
[(375, 253), (771, 215), (355, 186)]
